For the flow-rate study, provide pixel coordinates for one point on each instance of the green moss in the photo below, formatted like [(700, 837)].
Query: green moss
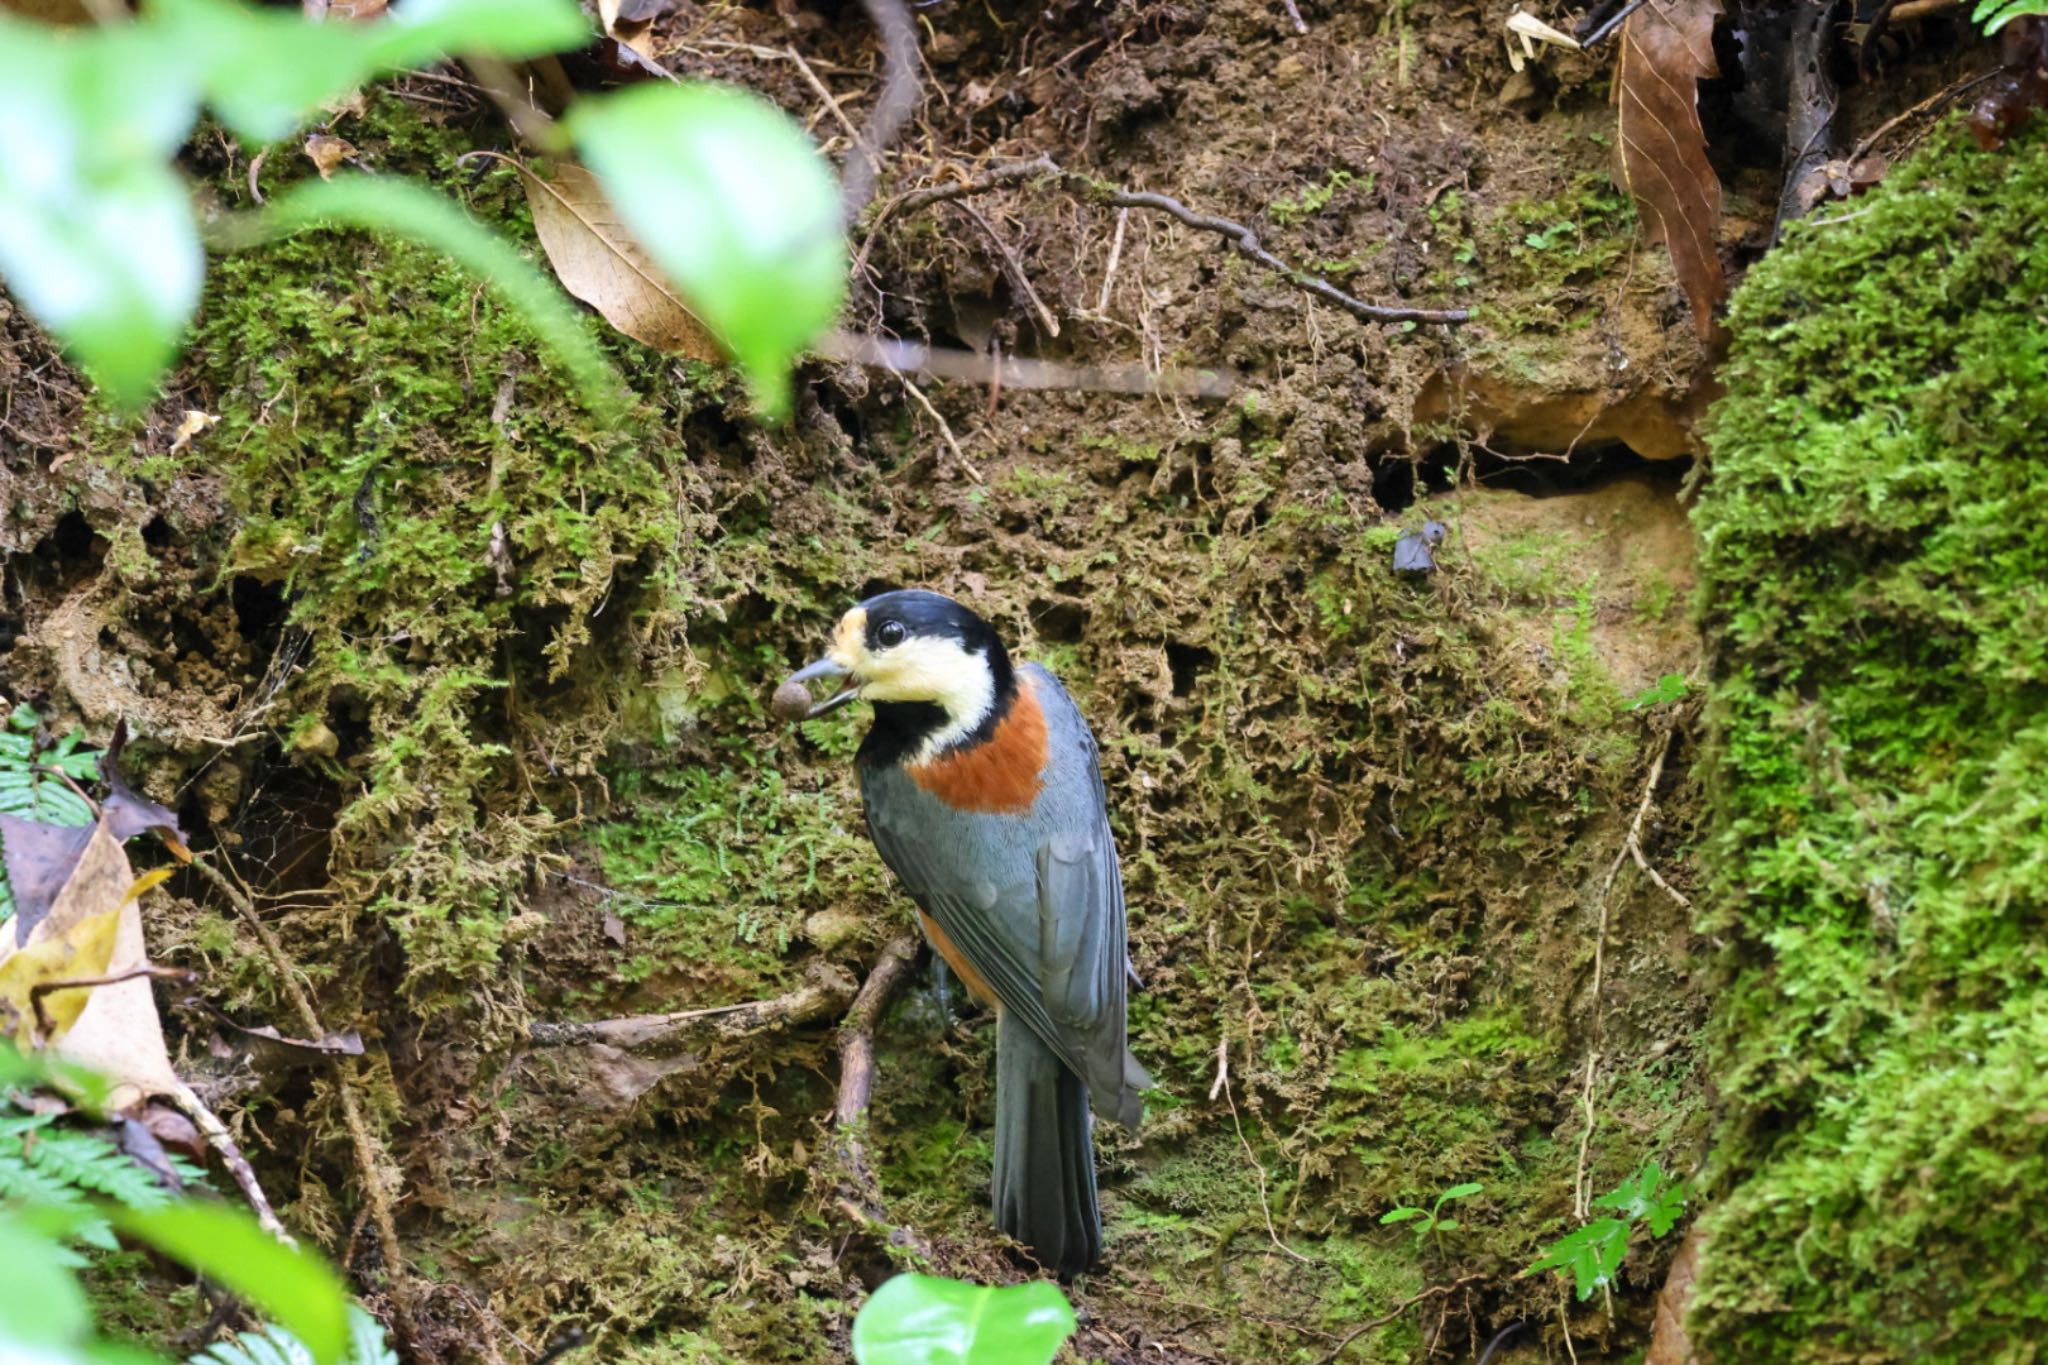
[(1875, 565)]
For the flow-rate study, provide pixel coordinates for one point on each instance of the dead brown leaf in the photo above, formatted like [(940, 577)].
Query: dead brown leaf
[(348, 1044), (74, 940), (598, 261), (1666, 51), (1668, 1342), (327, 152), (92, 929), (39, 858), (193, 422)]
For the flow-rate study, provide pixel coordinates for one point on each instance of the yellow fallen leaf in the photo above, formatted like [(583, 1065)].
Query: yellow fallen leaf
[(148, 881), (189, 426)]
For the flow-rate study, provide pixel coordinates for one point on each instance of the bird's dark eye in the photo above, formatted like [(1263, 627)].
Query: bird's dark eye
[(889, 633)]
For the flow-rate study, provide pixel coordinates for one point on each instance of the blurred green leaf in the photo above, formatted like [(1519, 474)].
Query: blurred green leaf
[(733, 202), (1996, 14), (263, 70), (409, 210), (43, 1304), (292, 1287), (97, 240), (419, 31), (924, 1320)]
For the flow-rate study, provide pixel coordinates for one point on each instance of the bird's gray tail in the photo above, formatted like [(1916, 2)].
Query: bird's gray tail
[(1045, 1164)]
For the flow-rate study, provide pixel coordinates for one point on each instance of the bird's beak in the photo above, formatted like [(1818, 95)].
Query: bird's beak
[(824, 668)]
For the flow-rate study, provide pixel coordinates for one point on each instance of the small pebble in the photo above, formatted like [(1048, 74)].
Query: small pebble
[(792, 701)]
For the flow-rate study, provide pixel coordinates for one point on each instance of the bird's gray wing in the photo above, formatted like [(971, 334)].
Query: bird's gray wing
[(1043, 927)]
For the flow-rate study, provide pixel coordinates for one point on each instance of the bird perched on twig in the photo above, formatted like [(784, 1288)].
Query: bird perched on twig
[(984, 797)]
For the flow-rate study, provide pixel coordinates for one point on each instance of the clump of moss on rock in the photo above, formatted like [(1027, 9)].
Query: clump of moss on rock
[(1877, 603)]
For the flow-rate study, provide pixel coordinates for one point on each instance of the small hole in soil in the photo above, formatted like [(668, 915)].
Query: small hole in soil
[(1187, 663), (259, 607), (156, 533), (72, 538), (1059, 623)]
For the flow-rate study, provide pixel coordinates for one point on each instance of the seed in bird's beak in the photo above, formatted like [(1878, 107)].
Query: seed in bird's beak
[(792, 701)]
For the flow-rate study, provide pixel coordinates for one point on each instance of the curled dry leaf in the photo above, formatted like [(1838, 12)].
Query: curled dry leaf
[(348, 1044), (599, 262), (40, 858), (1666, 51), (327, 153), (191, 424), (1669, 1344), (92, 929)]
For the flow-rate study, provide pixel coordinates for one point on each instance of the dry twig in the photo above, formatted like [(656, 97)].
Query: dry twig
[(893, 107), (368, 1150), (825, 991), (859, 1194), (1236, 236), (1435, 1292)]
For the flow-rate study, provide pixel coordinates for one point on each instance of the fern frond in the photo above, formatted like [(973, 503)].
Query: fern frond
[(275, 1346), (89, 1161)]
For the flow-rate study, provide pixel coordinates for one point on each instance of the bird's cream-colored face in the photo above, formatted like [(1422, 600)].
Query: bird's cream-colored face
[(894, 665)]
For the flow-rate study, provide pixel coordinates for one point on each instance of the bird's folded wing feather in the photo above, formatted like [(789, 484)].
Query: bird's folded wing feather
[(1056, 959)]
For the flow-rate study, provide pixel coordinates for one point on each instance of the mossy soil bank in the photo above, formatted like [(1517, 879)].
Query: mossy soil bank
[(472, 686)]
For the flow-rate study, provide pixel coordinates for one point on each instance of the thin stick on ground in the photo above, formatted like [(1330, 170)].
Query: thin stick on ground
[(945, 429), (1236, 236), (1631, 847), (825, 991), (368, 1150), (1013, 269), (893, 107), (1265, 1205), (222, 1141), (1116, 256), (1435, 1292), (859, 1193)]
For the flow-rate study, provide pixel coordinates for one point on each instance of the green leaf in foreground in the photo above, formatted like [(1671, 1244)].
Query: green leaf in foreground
[(291, 1287), (419, 31), (382, 204), (1996, 14), (923, 1320), (97, 239), (733, 202)]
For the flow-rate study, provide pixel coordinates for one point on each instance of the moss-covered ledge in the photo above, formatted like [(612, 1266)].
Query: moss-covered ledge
[(1875, 557)]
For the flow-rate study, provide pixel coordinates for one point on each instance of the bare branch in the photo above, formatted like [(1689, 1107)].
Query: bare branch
[(1236, 236), (893, 108), (825, 991)]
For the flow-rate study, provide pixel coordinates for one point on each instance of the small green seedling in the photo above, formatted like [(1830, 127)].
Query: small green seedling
[(1545, 238), (1670, 687), (1431, 1220), (1594, 1253)]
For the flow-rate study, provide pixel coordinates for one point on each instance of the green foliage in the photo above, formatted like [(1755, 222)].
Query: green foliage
[(31, 785), (407, 210), (60, 1185), (276, 1346), (925, 1320), (1430, 1221), (1996, 14), (100, 241), (1875, 577), (733, 202), (1594, 1252), (1668, 687), (1311, 200)]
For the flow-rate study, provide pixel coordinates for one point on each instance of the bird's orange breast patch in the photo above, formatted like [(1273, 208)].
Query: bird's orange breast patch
[(1001, 775)]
